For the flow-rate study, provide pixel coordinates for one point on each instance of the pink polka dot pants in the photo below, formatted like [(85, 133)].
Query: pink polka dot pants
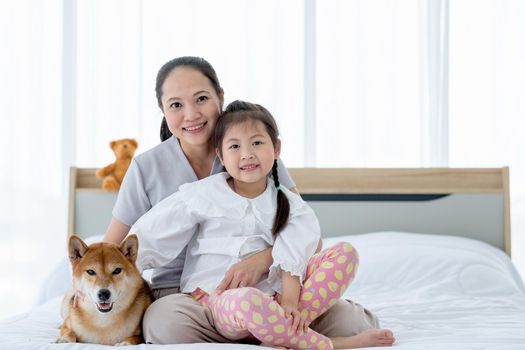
[(243, 311)]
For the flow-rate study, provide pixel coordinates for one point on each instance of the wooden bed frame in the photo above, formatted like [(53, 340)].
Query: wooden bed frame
[(472, 203)]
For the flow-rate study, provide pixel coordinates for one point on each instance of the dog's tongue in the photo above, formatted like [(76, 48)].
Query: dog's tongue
[(104, 305)]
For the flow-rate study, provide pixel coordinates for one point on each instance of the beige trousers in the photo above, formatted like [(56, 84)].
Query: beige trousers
[(176, 318)]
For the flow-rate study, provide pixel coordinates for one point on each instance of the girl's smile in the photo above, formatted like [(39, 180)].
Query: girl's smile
[(249, 167)]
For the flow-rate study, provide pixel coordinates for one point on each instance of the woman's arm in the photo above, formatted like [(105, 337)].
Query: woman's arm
[(116, 232), (247, 272)]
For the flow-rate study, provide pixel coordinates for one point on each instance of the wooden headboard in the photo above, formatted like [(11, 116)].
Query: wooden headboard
[(468, 202)]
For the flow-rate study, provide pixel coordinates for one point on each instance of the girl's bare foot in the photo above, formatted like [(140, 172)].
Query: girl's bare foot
[(371, 337)]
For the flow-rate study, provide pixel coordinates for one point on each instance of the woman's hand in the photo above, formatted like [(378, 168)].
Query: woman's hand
[(299, 324), (246, 273), (78, 295)]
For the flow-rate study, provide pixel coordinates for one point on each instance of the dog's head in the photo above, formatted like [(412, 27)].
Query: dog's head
[(104, 273)]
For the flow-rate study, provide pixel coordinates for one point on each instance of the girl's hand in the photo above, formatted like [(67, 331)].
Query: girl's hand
[(246, 273), (299, 324)]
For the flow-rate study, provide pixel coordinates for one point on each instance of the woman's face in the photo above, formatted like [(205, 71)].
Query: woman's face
[(191, 106)]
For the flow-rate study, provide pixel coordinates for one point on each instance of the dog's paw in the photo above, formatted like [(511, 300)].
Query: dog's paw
[(123, 343), (64, 340), (133, 340)]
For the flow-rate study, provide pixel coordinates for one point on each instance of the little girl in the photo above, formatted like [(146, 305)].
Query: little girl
[(227, 217)]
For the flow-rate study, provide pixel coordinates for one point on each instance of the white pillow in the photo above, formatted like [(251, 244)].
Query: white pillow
[(393, 262)]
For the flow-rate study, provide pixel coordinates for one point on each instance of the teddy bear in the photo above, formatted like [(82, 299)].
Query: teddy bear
[(113, 174)]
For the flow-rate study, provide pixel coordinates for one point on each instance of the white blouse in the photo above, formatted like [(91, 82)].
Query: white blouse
[(221, 228)]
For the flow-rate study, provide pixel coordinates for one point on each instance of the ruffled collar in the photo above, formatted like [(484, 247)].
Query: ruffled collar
[(213, 196), (263, 203)]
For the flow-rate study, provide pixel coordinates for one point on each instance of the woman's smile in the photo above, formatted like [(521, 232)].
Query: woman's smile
[(194, 129)]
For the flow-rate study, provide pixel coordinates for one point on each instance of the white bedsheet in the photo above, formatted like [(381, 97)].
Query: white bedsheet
[(433, 292)]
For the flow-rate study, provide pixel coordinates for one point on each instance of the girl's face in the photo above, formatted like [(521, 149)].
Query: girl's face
[(248, 154), (191, 106)]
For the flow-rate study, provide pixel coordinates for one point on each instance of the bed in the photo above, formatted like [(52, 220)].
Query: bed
[(434, 247)]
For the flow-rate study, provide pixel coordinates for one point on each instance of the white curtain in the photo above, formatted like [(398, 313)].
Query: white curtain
[(255, 46), (32, 191), (392, 84), (368, 84)]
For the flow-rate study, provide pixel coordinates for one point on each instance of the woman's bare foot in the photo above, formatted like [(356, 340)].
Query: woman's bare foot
[(273, 346), (370, 337)]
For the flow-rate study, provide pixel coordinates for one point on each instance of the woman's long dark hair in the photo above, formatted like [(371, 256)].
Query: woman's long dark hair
[(239, 112), (197, 63)]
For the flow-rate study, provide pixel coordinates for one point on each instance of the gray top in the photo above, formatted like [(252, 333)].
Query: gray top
[(151, 177)]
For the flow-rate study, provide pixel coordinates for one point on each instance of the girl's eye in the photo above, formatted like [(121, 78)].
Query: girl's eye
[(202, 98), (234, 146), (175, 105), (257, 143), (90, 272), (117, 271)]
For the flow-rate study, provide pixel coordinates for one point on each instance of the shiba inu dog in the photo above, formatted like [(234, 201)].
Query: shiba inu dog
[(109, 296)]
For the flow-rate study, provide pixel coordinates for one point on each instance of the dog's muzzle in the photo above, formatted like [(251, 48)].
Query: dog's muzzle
[(103, 304)]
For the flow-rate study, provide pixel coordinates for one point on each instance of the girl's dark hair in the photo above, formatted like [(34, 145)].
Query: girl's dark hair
[(239, 112), (197, 63)]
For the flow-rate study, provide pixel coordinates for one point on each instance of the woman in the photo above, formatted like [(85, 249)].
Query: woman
[(191, 98)]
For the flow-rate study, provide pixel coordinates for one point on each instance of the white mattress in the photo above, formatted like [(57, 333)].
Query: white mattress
[(433, 292)]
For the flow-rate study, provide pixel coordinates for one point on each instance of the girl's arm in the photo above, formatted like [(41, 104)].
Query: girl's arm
[(116, 232), (320, 244), (293, 248), (290, 302)]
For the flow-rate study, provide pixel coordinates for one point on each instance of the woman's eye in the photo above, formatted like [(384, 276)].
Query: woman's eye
[(175, 105), (90, 272), (202, 98), (117, 271)]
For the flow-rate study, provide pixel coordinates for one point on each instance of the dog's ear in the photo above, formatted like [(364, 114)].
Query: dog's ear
[(76, 248), (129, 247)]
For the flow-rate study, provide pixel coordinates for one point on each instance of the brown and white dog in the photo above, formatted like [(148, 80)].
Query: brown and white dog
[(109, 296)]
